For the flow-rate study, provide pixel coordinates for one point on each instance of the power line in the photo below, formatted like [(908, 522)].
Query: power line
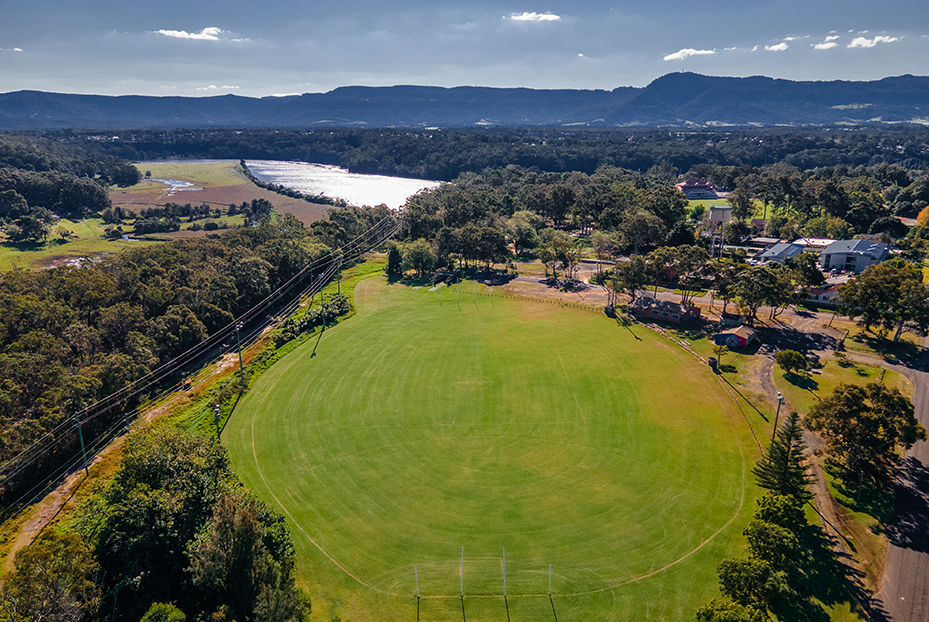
[(320, 271)]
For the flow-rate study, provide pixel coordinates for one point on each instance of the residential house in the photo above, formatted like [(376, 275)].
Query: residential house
[(826, 295), (853, 255)]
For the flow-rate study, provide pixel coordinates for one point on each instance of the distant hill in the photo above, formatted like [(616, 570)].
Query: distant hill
[(674, 100)]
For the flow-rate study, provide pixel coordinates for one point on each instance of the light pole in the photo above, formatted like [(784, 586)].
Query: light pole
[(780, 402)]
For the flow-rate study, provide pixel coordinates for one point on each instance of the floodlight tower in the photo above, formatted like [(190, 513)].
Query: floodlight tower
[(780, 402)]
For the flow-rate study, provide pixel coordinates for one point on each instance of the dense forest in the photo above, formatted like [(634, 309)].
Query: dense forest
[(42, 180), (444, 154)]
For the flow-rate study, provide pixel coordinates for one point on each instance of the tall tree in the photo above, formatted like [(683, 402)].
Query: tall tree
[(890, 294), (630, 276), (641, 228), (781, 469), (865, 426)]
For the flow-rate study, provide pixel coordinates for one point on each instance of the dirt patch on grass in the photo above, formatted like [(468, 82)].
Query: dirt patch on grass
[(220, 197)]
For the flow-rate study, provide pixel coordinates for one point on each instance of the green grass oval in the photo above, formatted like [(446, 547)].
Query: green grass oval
[(421, 427)]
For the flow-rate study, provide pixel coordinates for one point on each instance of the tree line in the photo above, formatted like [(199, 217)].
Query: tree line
[(444, 154)]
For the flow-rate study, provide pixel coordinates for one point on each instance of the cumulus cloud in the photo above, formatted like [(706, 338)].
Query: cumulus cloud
[(864, 42), (828, 43), (210, 33), (780, 47), (534, 17), (687, 52)]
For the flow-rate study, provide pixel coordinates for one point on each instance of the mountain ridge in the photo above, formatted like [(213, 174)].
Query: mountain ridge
[(680, 99)]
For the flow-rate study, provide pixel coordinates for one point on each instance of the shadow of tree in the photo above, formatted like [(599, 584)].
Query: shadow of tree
[(801, 381), (904, 351), (822, 576), (787, 338), (908, 526)]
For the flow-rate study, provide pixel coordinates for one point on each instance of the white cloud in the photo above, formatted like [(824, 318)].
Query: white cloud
[(535, 17), (581, 55), (863, 42), (780, 47), (686, 52), (213, 87), (729, 49), (11, 49), (827, 44), (210, 33)]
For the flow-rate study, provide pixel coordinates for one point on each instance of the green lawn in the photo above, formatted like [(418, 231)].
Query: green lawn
[(421, 427), (86, 240), (218, 173), (802, 391)]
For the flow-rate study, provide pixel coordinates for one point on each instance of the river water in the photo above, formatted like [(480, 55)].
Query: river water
[(335, 182)]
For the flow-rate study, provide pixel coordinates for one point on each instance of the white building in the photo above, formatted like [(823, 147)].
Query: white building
[(853, 255)]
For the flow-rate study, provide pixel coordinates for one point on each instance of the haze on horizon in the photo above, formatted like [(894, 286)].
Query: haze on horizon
[(286, 47)]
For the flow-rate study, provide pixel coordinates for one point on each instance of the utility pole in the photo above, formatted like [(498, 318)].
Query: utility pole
[(80, 434), (238, 340)]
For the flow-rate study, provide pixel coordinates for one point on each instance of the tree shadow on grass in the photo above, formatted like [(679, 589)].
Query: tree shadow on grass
[(801, 381), (864, 495), (823, 576), (24, 247), (905, 352)]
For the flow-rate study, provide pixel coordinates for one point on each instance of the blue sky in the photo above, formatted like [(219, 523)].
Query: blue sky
[(280, 47)]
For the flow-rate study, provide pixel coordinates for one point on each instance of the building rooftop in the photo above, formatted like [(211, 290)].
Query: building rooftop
[(781, 251), (858, 247), (814, 241)]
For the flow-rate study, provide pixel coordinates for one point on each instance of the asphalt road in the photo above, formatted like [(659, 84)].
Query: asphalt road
[(904, 594)]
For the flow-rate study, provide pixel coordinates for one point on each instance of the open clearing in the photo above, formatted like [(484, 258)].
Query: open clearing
[(421, 427), (215, 182)]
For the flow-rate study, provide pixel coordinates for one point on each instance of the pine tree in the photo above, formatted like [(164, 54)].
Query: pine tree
[(781, 469)]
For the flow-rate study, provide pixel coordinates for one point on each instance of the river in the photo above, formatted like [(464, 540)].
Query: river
[(335, 182)]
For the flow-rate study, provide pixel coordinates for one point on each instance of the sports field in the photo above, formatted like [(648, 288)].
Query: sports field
[(422, 427)]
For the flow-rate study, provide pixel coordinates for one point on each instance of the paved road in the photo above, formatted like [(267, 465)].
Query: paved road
[(904, 594)]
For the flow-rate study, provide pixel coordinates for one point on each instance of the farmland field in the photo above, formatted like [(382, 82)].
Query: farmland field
[(421, 427)]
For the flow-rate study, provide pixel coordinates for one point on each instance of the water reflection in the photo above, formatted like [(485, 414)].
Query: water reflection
[(336, 182)]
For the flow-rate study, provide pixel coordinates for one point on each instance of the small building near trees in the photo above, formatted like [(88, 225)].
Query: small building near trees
[(664, 310), (738, 337)]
